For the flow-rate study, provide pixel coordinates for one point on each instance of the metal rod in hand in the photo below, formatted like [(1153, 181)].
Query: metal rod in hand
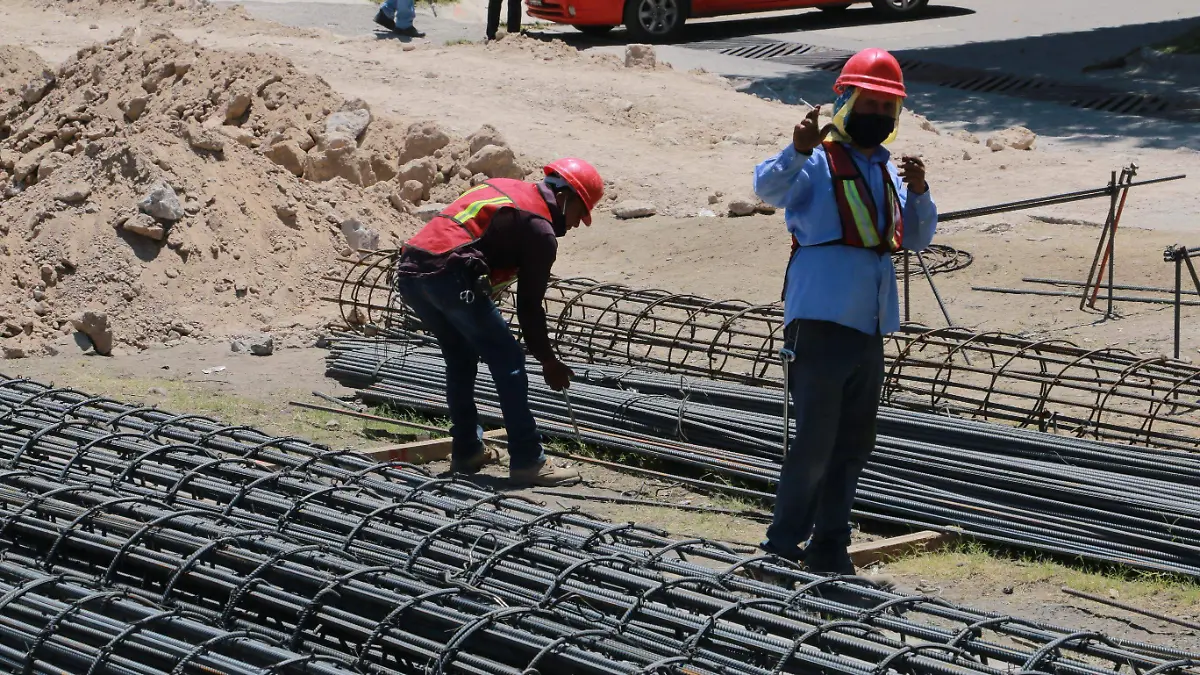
[(787, 356), (937, 296), (571, 414), (907, 298)]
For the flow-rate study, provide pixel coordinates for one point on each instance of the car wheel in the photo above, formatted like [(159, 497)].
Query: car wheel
[(834, 8), (899, 7), (595, 30), (655, 20)]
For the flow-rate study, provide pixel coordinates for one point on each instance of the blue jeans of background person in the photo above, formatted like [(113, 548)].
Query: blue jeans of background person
[(467, 333), (402, 12), (835, 383)]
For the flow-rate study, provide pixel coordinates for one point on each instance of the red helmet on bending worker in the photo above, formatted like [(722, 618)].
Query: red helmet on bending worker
[(872, 69), (583, 179)]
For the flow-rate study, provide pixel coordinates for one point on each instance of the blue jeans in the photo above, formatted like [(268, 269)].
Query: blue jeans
[(402, 12), (467, 333), (835, 383)]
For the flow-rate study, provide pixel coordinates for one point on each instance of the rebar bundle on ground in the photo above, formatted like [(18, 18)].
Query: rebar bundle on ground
[(1019, 488), (389, 570), (1050, 385)]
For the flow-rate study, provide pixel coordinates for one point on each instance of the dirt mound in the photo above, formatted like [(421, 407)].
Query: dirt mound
[(188, 193), (21, 73)]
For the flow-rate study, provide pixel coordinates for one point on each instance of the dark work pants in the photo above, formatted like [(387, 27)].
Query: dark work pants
[(469, 328), (493, 17), (835, 383)]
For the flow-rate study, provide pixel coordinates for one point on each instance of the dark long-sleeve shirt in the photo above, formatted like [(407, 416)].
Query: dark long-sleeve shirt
[(514, 240)]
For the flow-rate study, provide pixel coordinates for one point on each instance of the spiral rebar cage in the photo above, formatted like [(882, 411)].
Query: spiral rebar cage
[(138, 541), (1051, 385)]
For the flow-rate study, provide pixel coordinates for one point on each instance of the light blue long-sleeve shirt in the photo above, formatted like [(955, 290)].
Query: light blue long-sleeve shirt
[(852, 286)]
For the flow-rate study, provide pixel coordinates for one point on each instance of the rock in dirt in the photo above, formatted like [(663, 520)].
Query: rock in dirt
[(134, 108), (74, 193), (351, 123), (14, 352), (162, 203), (965, 136), (203, 139), (94, 324), (423, 171), (289, 155), (742, 207), (495, 161), (53, 162), (358, 236), (487, 135), (427, 212), (36, 88), (1017, 138), (28, 164), (237, 106), (634, 209), (411, 191), (338, 160), (145, 226), (263, 347), (640, 56), (422, 140)]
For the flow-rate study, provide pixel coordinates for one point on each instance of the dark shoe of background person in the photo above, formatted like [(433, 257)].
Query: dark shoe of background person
[(472, 465), (384, 20), (410, 32)]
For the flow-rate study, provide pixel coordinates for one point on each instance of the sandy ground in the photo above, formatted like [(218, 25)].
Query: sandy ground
[(676, 139)]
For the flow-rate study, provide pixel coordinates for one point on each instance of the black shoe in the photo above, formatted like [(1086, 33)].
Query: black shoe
[(384, 20), (411, 32), (795, 554), (831, 561)]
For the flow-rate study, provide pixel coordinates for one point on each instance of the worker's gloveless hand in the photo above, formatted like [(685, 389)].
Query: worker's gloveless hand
[(912, 170), (557, 374), (809, 134)]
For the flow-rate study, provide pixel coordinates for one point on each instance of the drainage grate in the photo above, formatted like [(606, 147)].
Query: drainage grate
[(970, 79)]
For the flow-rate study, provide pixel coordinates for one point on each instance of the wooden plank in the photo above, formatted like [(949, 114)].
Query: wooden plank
[(868, 553), (421, 452)]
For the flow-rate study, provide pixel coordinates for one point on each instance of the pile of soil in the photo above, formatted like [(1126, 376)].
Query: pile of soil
[(178, 193)]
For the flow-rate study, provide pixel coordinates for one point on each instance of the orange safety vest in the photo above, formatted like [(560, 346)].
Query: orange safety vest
[(856, 207), (466, 220)]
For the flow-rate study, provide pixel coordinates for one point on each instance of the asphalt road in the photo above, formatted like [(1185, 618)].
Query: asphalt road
[(1048, 38)]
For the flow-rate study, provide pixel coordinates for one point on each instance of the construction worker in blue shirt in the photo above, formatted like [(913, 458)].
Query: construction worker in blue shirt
[(848, 207)]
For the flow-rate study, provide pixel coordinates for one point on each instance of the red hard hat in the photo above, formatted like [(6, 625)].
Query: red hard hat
[(873, 69), (583, 179)]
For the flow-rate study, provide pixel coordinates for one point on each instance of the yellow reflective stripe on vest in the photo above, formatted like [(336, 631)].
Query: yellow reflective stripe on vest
[(474, 208), (862, 216)]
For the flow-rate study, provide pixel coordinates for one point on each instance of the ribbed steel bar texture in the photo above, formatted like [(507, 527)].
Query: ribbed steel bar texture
[(1107, 393), (1020, 488), (392, 570)]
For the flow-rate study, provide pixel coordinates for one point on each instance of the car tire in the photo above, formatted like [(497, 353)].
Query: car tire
[(899, 7), (834, 8), (655, 21), (595, 31)]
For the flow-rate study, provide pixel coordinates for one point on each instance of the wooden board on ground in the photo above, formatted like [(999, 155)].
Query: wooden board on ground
[(868, 553), (421, 452)]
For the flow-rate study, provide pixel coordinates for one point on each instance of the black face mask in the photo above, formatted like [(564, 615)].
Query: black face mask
[(869, 131)]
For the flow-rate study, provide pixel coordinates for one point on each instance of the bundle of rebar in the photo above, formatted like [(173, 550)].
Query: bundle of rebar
[(1017, 488), (1050, 385), (390, 570)]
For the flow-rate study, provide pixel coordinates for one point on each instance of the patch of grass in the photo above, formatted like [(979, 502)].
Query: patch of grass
[(1186, 43), (972, 561)]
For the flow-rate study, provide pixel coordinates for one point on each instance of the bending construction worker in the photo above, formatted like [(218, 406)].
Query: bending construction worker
[(450, 274), (848, 208)]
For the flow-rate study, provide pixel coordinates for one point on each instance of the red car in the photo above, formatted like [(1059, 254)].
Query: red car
[(662, 20)]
